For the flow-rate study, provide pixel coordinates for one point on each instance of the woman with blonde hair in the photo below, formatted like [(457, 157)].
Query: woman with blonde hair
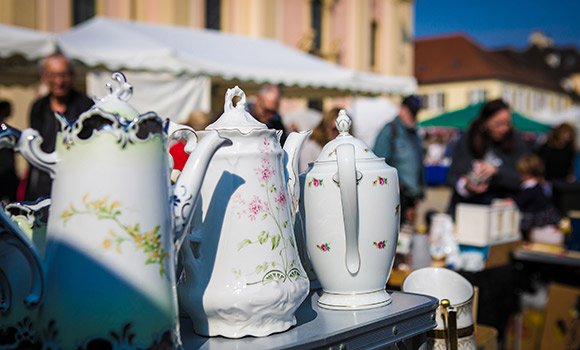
[(324, 132)]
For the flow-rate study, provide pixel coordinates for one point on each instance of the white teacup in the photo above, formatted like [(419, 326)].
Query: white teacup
[(454, 318)]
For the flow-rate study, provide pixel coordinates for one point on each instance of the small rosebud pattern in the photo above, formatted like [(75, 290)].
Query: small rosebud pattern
[(380, 244)]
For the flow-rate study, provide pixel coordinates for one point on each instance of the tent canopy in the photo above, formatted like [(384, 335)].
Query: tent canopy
[(20, 48), (31, 44), (461, 119), (130, 45)]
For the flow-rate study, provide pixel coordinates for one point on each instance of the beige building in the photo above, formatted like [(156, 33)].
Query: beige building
[(454, 71), (367, 35)]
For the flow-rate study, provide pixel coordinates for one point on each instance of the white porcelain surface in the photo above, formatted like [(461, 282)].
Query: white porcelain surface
[(443, 283), (351, 229), (113, 226), (242, 273)]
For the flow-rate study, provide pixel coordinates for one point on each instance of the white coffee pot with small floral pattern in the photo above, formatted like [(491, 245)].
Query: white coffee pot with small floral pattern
[(242, 272), (351, 222), (115, 222)]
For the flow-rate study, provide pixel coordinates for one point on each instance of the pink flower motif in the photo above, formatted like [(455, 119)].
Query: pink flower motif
[(255, 207), (266, 148), (380, 244), (237, 198), (323, 247), (281, 198), (380, 180), (316, 182), (265, 171)]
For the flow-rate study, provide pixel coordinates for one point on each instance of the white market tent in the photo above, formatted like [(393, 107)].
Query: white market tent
[(178, 55), (19, 49)]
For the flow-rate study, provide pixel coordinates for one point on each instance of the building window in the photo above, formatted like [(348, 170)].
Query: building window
[(535, 101), (83, 10), (559, 104), (424, 101), (478, 95), (213, 14), (521, 101), (316, 24), (543, 101), (507, 95), (436, 101), (374, 28)]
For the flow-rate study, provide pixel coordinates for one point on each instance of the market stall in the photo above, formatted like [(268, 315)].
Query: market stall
[(20, 48), (213, 59)]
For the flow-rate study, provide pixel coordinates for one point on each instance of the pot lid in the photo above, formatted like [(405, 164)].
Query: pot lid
[(115, 102), (236, 118), (361, 149)]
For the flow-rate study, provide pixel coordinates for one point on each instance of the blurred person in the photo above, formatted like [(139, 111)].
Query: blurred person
[(57, 72), (436, 148), (197, 120), (559, 153), (8, 178), (325, 131), (265, 108), (483, 164), (534, 203), (401, 147)]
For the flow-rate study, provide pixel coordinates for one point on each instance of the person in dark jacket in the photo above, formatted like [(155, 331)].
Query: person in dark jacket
[(533, 201), (265, 109), (484, 159), (400, 145), (8, 177), (559, 153), (58, 74)]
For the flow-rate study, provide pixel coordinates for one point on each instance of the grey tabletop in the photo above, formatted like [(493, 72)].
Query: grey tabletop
[(407, 316), (570, 258)]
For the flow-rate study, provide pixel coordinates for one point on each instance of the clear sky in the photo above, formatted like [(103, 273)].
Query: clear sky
[(497, 23)]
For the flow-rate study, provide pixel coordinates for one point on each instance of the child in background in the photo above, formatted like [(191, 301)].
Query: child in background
[(535, 205)]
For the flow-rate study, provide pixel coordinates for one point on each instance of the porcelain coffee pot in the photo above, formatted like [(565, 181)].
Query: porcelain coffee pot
[(242, 273), (114, 225), (351, 220)]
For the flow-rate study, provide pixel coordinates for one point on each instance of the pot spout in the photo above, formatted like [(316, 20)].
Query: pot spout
[(292, 148)]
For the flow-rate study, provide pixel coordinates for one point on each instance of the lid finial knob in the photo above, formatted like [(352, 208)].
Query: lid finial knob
[(343, 123)]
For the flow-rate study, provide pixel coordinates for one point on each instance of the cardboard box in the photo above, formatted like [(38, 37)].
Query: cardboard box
[(495, 254), (562, 326), (499, 254), (525, 330), (486, 338)]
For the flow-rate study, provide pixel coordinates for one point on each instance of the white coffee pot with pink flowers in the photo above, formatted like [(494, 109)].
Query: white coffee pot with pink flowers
[(242, 273)]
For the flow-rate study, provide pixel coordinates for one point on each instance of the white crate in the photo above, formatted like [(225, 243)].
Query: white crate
[(481, 225)]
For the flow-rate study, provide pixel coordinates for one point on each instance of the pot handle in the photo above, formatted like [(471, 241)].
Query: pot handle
[(177, 132), (347, 178), (27, 142), (29, 146), (12, 238), (450, 316)]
